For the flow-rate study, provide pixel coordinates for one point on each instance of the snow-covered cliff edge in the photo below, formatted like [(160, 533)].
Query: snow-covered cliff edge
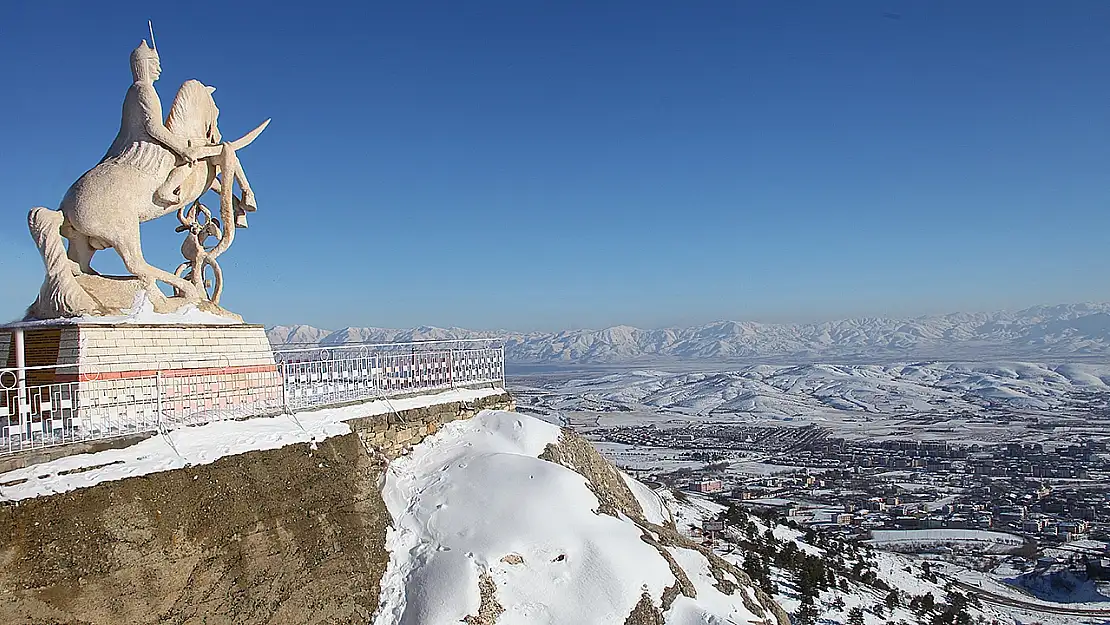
[(507, 519)]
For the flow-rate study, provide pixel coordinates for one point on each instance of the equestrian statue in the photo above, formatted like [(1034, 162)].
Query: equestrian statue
[(152, 169)]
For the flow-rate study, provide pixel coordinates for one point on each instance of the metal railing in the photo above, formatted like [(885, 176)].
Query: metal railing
[(87, 407), (347, 373)]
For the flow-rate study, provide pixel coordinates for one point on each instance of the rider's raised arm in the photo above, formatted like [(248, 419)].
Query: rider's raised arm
[(151, 107)]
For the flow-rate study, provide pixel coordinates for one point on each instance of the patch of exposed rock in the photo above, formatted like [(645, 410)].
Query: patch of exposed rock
[(614, 496), (488, 607)]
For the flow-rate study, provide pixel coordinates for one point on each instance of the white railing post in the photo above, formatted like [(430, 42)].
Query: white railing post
[(158, 398), (284, 393), (23, 408)]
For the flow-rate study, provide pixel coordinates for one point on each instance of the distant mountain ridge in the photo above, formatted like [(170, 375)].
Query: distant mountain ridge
[(1074, 331)]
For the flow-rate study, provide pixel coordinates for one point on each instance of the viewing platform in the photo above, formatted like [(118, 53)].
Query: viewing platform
[(111, 385)]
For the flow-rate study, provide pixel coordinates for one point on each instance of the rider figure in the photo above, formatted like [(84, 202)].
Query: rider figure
[(142, 129)]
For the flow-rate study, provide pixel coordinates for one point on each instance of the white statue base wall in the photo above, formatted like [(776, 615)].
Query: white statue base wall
[(115, 378)]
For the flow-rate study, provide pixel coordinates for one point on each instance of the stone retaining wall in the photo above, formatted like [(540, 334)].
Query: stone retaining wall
[(394, 434)]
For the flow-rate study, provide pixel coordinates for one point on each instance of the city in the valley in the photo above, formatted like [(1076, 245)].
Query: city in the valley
[(1000, 508)]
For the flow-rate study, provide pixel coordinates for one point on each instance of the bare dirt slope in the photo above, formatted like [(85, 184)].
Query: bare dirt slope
[(291, 535)]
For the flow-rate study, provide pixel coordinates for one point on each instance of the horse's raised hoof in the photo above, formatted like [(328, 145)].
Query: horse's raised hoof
[(247, 202)]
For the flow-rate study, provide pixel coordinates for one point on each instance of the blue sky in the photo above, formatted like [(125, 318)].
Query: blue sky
[(540, 165)]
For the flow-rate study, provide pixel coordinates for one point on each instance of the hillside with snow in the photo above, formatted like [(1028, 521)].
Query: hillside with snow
[(507, 519), (1073, 332), (498, 519), (824, 580), (821, 390)]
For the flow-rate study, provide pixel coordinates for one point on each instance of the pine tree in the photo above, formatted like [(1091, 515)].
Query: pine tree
[(807, 613), (753, 567), (855, 616), (892, 600), (769, 537)]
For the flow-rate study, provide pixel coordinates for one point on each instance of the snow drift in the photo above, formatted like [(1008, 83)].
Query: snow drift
[(507, 519)]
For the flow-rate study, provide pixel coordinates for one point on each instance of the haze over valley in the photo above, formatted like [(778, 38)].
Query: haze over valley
[(1074, 332)]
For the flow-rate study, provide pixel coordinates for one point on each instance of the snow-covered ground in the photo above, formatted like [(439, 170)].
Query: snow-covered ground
[(474, 504), (207, 443), (897, 571), (918, 541)]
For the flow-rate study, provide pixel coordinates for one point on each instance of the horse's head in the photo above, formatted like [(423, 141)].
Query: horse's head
[(194, 114)]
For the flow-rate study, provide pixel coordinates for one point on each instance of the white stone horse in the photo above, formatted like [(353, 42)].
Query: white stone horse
[(104, 208)]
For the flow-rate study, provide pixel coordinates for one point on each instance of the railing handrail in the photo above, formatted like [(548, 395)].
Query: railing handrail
[(276, 350), (310, 347)]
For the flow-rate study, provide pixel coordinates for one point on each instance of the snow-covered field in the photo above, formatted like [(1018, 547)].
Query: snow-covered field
[(965, 402), (919, 541), (814, 390)]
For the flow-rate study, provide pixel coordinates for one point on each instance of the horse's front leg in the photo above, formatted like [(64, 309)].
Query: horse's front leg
[(234, 172), (237, 174), (249, 204), (237, 204)]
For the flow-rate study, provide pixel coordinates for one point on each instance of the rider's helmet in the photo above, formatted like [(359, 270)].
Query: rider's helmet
[(140, 61)]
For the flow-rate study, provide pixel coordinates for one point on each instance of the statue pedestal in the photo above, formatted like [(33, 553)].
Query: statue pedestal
[(122, 295), (90, 380)]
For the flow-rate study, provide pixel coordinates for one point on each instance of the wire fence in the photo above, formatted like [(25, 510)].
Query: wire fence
[(82, 406)]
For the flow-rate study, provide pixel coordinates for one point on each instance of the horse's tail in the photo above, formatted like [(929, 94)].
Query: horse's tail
[(61, 295)]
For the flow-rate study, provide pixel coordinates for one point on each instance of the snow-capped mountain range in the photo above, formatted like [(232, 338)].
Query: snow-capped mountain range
[(1068, 331)]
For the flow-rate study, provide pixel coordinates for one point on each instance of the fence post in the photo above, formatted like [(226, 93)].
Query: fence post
[(158, 397), (22, 406), (284, 393)]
